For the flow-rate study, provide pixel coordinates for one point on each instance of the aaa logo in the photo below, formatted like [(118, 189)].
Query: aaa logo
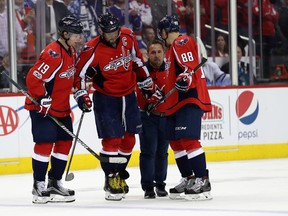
[(9, 120), (247, 107)]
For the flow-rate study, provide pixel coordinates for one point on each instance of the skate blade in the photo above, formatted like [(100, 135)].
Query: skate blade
[(114, 197), (199, 197), (56, 198), (40, 200), (176, 196)]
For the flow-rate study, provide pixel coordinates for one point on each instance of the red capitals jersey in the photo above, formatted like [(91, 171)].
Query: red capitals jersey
[(181, 57), (158, 76), (52, 74), (117, 67)]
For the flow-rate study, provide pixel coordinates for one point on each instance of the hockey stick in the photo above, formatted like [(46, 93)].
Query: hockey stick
[(70, 176), (203, 61), (60, 124)]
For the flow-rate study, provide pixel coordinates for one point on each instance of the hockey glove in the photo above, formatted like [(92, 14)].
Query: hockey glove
[(44, 104), (83, 100), (183, 82), (158, 95), (91, 72), (146, 85)]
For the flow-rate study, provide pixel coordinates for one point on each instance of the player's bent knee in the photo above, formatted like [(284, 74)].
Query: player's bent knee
[(43, 148), (62, 147), (176, 145), (111, 144), (127, 143), (190, 144)]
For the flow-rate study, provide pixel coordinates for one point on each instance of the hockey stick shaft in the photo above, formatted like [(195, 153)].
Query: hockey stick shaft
[(60, 124), (203, 61), (71, 176)]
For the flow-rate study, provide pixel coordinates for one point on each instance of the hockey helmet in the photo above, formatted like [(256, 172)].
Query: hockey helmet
[(169, 24), (70, 24), (108, 23)]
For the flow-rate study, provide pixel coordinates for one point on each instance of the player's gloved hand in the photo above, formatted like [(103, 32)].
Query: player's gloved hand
[(44, 103), (83, 100), (146, 85), (90, 72), (183, 81), (157, 96)]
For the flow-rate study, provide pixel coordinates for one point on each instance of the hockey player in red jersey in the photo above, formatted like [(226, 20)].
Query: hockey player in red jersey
[(185, 108), (50, 82), (114, 63)]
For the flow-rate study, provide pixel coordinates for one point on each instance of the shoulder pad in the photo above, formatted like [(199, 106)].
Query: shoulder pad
[(126, 30)]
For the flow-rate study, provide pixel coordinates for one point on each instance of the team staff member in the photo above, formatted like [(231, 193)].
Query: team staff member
[(185, 108), (50, 82), (153, 142), (113, 62)]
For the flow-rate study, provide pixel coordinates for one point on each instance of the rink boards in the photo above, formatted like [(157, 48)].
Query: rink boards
[(245, 123)]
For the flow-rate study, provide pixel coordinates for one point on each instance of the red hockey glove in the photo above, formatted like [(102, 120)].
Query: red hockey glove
[(44, 104), (83, 100), (183, 82), (158, 95)]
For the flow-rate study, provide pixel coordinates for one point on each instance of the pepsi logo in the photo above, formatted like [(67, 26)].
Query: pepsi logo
[(247, 107)]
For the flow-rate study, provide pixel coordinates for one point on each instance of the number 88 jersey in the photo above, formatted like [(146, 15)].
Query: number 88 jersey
[(182, 56)]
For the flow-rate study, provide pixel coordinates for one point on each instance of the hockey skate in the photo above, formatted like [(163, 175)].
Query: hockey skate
[(175, 193), (123, 175), (40, 193), (123, 186), (58, 193), (112, 187), (198, 189)]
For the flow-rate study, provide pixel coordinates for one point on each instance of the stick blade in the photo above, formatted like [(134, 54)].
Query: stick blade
[(69, 177), (119, 160)]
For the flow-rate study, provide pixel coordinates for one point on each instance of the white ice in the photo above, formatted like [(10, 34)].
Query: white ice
[(254, 187)]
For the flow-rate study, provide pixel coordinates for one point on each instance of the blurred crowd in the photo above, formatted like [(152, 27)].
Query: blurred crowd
[(142, 17)]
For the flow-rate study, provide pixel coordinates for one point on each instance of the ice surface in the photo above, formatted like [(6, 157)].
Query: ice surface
[(257, 187)]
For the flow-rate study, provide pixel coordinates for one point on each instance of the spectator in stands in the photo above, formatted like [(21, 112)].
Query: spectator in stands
[(134, 22), (282, 29), (186, 15), (143, 9), (159, 9), (242, 18), (54, 12), (4, 83), (144, 54), (26, 18), (214, 75), (181, 10), (85, 11), (221, 14), (221, 45), (269, 20), (148, 35), (243, 68), (20, 43), (29, 3)]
